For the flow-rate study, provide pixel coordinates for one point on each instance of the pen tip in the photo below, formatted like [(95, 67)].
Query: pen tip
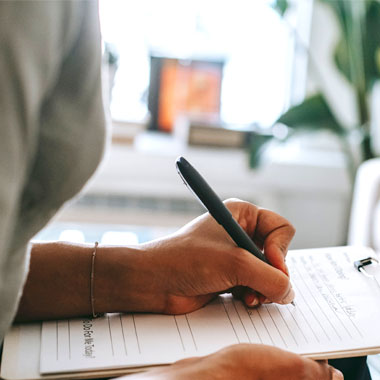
[(293, 303)]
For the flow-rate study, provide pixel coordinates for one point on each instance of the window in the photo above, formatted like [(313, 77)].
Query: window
[(253, 40)]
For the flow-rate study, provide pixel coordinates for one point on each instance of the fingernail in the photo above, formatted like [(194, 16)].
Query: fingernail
[(336, 374), (251, 300), (289, 296)]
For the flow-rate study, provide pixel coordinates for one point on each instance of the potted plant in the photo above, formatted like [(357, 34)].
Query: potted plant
[(357, 57)]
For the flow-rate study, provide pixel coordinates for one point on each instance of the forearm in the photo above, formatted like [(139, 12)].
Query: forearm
[(176, 274), (59, 281)]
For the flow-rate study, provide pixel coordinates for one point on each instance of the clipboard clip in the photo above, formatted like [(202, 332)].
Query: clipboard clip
[(361, 264)]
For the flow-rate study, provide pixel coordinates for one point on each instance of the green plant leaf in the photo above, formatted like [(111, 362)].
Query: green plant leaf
[(281, 6), (338, 8), (372, 42), (348, 54), (312, 114), (342, 60), (257, 144), (377, 58)]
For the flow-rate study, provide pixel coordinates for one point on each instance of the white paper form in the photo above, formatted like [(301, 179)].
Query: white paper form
[(336, 307)]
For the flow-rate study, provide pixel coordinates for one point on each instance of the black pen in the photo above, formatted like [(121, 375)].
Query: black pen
[(213, 204)]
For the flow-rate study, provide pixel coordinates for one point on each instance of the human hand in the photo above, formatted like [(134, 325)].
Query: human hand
[(245, 361), (182, 272), (176, 274)]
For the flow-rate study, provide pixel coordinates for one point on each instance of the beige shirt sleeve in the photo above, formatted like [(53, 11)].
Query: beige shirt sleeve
[(52, 123)]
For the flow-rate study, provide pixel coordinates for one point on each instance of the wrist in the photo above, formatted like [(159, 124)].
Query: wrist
[(123, 281)]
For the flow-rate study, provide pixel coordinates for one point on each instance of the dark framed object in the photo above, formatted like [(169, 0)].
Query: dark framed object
[(183, 87)]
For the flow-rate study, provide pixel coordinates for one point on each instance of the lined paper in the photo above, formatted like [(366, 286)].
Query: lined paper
[(334, 307)]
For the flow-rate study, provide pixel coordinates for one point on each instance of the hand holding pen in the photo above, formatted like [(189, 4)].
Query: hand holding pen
[(208, 198)]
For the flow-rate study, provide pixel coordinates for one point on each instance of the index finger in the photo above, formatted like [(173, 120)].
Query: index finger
[(322, 370), (274, 233)]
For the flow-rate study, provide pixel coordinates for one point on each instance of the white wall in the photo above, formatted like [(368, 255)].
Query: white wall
[(311, 189)]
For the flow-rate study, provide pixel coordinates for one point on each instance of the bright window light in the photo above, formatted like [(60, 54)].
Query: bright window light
[(119, 238), (74, 236), (249, 35)]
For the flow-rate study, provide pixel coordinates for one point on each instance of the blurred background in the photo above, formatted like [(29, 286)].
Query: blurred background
[(274, 102)]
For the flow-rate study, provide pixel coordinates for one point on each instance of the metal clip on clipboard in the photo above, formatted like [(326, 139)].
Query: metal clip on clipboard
[(361, 265)]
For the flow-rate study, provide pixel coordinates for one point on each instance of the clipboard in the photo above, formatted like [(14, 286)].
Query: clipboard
[(336, 308)]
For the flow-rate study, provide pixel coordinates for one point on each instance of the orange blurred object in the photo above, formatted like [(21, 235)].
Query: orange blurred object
[(190, 88)]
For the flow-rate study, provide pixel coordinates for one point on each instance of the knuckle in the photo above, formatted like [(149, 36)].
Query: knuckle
[(300, 367), (236, 206), (292, 229), (236, 202), (326, 371), (232, 203), (310, 370)]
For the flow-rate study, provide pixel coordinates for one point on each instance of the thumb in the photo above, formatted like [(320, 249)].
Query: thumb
[(271, 282)]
